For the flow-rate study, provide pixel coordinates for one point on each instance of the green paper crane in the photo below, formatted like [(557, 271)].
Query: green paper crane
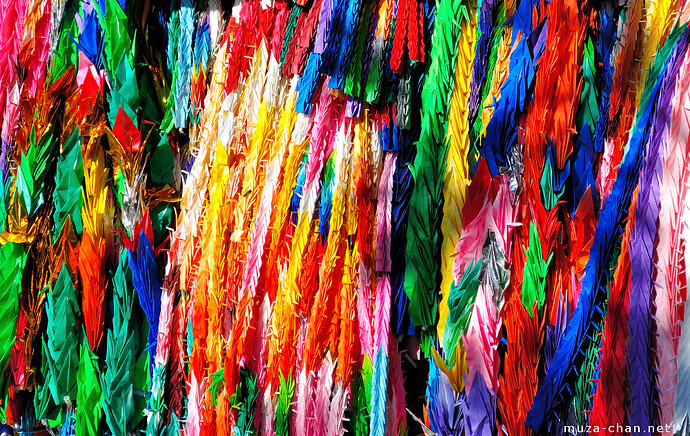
[(61, 341), (422, 273), (66, 53), (45, 407), (360, 406), (33, 169), (286, 391), (89, 408), (69, 177), (534, 276), (353, 81), (12, 262), (589, 106), (250, 393), (173, 39), (123, 345), (460, 303)]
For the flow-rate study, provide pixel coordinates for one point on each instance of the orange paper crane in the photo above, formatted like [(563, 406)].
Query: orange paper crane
[(98, 210)]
